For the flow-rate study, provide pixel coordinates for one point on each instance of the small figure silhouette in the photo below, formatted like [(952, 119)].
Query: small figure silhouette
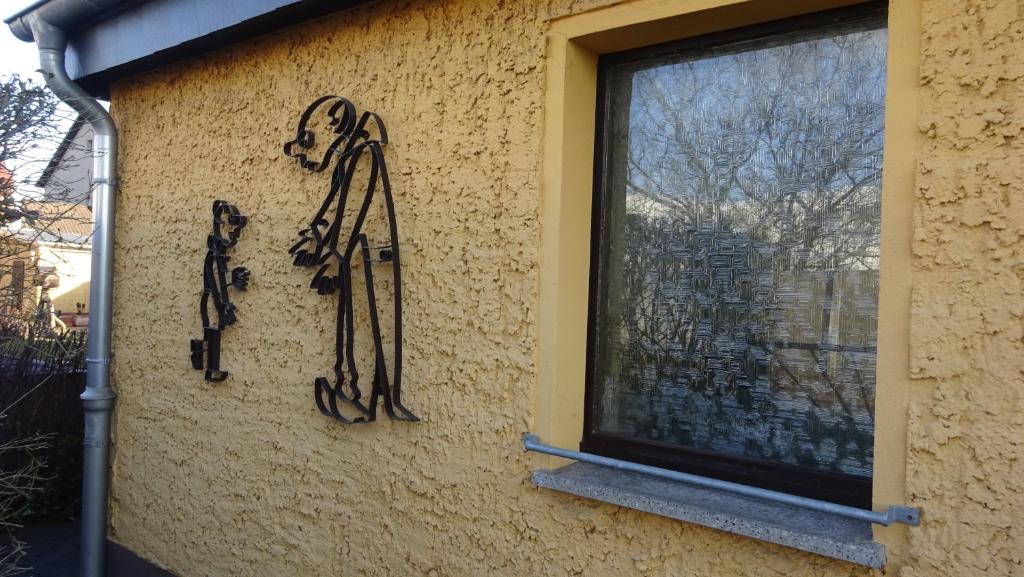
[(227, 226)]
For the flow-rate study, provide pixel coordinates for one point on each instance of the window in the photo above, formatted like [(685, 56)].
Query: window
[(734, 277)]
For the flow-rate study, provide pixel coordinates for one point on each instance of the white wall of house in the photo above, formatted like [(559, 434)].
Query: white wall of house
[(69, 180)]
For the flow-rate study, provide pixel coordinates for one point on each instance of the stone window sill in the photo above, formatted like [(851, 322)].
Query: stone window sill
[(811, 531)]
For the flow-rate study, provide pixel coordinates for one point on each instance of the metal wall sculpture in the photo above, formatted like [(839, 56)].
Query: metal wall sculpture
[(227, 226), (354, 139)]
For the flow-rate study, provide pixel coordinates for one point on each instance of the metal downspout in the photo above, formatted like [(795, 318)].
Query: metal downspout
[(98, 398)]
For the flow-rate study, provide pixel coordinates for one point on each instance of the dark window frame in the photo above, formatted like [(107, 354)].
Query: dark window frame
[(843, 489)]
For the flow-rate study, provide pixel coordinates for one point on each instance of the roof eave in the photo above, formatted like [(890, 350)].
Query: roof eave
[(125, 38)]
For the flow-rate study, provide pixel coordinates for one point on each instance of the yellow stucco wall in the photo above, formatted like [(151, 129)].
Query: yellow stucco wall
[(11, 250), (74, 266), (966, 432), (246, 478)]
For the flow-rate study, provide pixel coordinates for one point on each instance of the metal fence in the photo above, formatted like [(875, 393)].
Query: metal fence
[(37, 354), (41, 378)]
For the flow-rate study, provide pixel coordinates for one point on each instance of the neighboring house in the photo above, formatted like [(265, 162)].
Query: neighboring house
[(771, 249), (48, 249), (49, 241), (66, 177)]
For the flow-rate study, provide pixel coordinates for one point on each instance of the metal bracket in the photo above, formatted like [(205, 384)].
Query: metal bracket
[(906, 515)]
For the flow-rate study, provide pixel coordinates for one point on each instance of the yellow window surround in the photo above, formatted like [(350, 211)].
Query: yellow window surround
[(574, 44)]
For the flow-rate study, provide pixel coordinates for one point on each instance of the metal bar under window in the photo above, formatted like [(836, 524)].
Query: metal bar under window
[(894, 514)]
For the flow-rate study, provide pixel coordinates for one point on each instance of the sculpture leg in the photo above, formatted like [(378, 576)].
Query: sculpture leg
[(381, 385), (325, 395)]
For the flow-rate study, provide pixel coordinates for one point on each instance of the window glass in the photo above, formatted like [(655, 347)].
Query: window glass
[(737, 288)]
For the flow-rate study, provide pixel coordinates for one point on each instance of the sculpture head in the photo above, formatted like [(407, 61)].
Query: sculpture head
[(227, 225), (340, 115)]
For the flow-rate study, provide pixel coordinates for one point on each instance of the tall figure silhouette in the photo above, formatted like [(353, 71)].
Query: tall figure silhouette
[(355, 140)]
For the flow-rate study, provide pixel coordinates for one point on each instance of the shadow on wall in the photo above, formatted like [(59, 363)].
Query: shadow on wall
[(67, 298)]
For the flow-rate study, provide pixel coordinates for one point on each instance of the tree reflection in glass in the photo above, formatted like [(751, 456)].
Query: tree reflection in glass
[(738, 297)]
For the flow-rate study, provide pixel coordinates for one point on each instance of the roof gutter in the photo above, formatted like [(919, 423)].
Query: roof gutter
[(64, 14), (47, 23)]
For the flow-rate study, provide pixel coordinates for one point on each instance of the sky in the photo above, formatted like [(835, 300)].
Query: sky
[(16, 56), (21, 58)]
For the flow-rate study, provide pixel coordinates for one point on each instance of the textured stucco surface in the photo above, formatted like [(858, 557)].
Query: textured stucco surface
[(966, 442), (246, 478)]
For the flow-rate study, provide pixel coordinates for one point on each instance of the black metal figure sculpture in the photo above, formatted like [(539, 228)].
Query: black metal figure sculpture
[(227, 226), (323, 246)]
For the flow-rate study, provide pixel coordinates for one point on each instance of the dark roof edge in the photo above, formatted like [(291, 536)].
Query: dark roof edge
[(69, 15), (58, 154), (118, 42), (30, 8), (98, 84)]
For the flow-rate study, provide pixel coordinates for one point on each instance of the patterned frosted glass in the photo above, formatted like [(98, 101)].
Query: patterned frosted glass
[(738, 298)]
